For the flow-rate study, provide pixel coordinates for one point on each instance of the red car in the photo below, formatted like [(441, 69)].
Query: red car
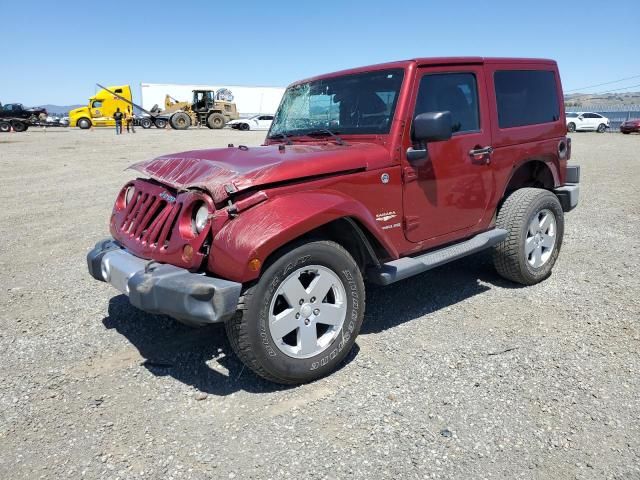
[(371, 174), (630, 126)]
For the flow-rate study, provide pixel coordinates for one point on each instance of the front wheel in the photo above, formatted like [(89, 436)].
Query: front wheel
[(244, 126), (535, 222), (602, 128), (180, 121), (216, 121), (84, 123), (302, 317), (571, 127)]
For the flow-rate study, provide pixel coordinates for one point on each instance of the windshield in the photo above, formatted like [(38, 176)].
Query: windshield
[(362, 103), (572, 114)]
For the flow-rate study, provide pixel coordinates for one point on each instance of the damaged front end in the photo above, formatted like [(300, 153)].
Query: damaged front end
[(157, 222)]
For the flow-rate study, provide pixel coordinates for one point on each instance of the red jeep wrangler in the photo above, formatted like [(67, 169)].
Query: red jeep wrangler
[(376, 173)]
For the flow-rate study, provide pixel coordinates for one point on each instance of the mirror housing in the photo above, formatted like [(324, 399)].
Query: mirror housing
[(432, 127)]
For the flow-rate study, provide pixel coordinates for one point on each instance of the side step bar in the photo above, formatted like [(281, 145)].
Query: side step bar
[(406, 267)]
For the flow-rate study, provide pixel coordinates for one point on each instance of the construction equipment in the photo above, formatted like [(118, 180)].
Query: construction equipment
[(213, 109), (208, 108)]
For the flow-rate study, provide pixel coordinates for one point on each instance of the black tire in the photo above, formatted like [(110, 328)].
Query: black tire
[(5, 127), (515, 216), (84, 123), (602, 128), (216, 121), (244, 126), (571, 127), (626, 133), (19, 126), (249, 331), (161, 123), (146, 123), (180, 121)]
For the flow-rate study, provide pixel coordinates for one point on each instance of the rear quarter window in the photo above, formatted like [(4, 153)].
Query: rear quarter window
[(526, 97)]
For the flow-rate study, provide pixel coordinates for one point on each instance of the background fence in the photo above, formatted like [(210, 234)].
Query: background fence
[(617, 114)]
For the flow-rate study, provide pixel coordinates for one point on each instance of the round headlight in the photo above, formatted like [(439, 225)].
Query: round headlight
[(201, 218), (129, 195)]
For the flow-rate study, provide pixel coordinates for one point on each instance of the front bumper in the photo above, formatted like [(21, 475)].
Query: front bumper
[(191, 298)]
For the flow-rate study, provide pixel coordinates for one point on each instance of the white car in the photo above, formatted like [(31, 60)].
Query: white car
[(257, 122), (586, 121)]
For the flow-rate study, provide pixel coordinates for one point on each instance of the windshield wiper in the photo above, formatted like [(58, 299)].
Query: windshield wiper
[(326, 131), (281, 135)]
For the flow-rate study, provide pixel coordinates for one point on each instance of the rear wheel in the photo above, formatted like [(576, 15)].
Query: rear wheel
[(19, 126), (161, 123), (146, 123), (302, 317), (180, 121), (216, 121), (535, 222), (84, 123), (5, 127), (602, 128), (571, 127)]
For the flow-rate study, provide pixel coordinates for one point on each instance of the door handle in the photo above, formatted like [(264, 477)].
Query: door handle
[(481, 155)]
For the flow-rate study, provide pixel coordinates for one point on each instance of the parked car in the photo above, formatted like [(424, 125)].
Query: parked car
[(586, 121), (257, 122), (376, 173), (630, 126)]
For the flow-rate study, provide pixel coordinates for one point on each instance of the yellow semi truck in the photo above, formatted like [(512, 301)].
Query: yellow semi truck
[(99, 112), (208, 108)]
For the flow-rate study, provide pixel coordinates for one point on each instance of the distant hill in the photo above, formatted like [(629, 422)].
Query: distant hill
[(588, 99), (59, 109)]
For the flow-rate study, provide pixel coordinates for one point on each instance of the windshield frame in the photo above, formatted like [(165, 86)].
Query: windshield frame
[(348, 131)]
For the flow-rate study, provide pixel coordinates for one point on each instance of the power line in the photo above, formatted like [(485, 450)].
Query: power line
[(618, 89), (601, 84)]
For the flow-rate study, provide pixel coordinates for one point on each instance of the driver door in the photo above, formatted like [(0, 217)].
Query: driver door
[(447, 193)]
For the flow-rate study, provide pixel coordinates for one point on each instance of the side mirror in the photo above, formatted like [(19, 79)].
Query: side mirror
[(432, 127), (428, 127)]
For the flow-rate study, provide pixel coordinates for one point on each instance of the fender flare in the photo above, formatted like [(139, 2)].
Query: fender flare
[(551, 164), (264, 228)]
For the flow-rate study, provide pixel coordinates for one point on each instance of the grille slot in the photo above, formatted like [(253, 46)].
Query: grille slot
[(149, 219)]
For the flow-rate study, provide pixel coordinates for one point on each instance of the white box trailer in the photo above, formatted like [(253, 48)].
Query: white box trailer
[(249, 100)]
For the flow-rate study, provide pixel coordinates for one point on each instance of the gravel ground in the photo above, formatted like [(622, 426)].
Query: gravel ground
[(457, 374)]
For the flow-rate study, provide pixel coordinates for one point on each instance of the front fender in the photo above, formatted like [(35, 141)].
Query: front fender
[(259, 231), (77, 114)]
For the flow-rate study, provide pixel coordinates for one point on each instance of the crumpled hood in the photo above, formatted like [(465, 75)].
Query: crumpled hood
[(224, 170)]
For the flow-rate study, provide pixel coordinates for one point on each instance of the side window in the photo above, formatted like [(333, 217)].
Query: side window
[(96, 104), (455, 92), (526, 97)]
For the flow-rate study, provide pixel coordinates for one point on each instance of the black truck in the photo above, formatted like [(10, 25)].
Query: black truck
[(14, 115)]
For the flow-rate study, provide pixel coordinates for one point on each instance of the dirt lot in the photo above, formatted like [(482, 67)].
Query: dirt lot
[(457, 373)]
